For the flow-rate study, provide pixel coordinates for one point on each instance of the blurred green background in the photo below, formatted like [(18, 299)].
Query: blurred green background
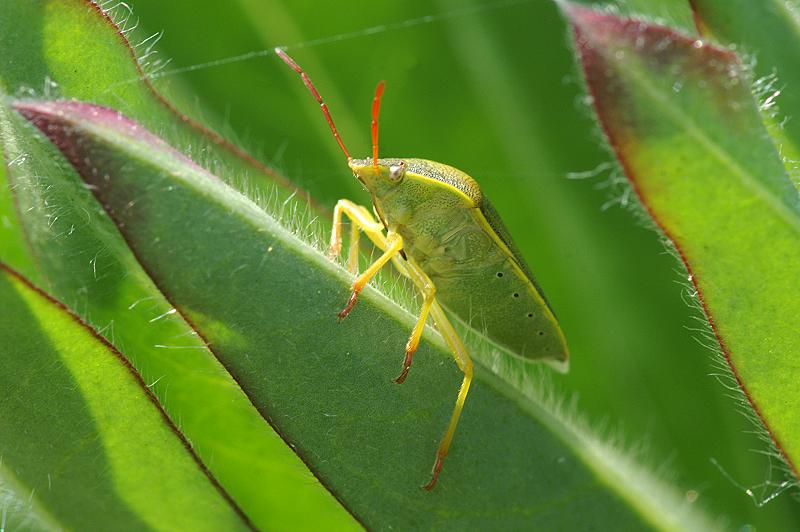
[(491, 88)]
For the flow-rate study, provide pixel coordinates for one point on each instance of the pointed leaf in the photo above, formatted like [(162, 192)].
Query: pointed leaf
[(266, 302), (769, 33), (53, 230), (681, 119), (85, 445)]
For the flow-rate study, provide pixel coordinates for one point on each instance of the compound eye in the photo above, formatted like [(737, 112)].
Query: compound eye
[(397, 171)]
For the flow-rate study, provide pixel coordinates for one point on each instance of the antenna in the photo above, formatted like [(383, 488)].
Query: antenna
[(289, 61), (376, 110)]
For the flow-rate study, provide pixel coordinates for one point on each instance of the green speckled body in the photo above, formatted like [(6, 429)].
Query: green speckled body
[(455, 236)]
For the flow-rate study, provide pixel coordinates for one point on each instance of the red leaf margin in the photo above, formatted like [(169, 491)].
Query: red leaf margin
[(213, 136), (583, 19), (10, 272)]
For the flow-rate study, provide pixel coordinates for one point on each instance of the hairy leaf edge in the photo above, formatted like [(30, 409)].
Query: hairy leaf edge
[(612, 467), (213, 136), (724, 352)]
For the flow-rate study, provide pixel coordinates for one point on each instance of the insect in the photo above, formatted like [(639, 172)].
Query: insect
[(439, 230)]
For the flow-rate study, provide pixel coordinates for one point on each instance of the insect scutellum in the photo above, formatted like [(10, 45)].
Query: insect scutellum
[(438, 230)]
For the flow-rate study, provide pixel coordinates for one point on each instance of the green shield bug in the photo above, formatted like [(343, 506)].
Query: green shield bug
[(439, 230)]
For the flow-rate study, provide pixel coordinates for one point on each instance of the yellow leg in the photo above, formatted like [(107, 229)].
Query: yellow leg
[(352, 259), (428, 290), (394, 243), (465, 364), (336, 234), (361, 220), (391, 244), (461, 356)]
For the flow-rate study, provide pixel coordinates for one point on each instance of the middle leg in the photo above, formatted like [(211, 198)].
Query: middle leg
[(428, 290)]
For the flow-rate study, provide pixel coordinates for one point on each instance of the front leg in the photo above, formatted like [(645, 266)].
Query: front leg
[(394, 243), (361, 220)]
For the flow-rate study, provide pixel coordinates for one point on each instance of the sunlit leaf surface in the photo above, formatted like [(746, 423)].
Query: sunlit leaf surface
[(85, 445)]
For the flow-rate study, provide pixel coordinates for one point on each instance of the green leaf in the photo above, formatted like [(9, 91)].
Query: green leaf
[(681, 119), (89, 265), (769, 33), (71, 49), (53, 230), (224, 263), (469, 84), (12, 240), (515, 121), (85, 444)]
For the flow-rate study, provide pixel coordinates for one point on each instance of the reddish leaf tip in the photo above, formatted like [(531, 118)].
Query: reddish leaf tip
[(595, 28), (69, 124), (72, 125), (49, 116)]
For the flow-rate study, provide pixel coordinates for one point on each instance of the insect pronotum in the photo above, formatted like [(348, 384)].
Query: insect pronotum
[(439, 230)]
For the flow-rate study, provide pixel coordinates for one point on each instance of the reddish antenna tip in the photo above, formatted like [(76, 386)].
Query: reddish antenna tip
[(310, 85), (288, 60), (376, 109)]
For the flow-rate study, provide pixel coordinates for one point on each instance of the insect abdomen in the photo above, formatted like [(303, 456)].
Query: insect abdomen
[(500, 303), (468, 255)]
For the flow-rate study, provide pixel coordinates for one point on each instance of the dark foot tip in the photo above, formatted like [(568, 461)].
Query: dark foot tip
[(350, 304), (437, 468), (406, 365), (402, 377)]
